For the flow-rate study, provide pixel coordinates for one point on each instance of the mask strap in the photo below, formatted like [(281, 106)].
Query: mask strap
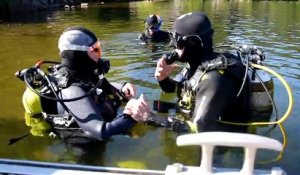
[(196, 37), (74, 47)]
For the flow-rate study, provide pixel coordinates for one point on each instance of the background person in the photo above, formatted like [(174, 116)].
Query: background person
[(153, 31)]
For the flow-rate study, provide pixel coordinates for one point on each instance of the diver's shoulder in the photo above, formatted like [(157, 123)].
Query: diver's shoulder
[(73, 91), (161, 34)]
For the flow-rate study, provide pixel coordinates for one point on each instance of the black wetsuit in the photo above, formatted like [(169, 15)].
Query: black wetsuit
[(216, 97), (97, 118), (157, 36)]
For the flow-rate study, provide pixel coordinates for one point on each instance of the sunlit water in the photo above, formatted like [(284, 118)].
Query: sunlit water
[(24, 39)]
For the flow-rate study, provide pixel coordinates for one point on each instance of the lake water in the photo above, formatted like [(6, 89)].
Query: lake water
[(24, 39)]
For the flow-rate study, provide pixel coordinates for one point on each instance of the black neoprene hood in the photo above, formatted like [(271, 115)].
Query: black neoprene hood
[(73, 45), (78, 36), (194, 23), (152, 20)]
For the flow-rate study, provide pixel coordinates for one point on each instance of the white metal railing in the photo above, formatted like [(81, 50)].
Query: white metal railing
[(208, 140)]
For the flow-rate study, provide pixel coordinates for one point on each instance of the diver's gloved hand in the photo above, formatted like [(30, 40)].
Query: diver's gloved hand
[(183, 126), (180, 126), (143, 37)]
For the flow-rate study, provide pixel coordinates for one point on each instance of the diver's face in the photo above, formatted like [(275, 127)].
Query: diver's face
[(151, 31), (181, 54), (95, 51), (178, 42)]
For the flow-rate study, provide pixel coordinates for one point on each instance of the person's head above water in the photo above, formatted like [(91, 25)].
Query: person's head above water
[(192, 32), (80, 49), (194, 26), (153, 22)]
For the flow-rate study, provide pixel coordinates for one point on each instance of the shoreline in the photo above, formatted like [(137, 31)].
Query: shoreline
[(8, 7)]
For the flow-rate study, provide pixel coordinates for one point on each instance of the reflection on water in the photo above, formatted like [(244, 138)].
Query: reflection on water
[(273, 26)]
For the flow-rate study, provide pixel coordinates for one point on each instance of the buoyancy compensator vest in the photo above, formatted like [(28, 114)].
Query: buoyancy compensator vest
[(40, 97), (261, 84), (33, 102), (191, 85), (33, 114)]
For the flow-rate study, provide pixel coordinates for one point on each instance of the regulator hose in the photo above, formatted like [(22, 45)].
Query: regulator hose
[(40, 72)]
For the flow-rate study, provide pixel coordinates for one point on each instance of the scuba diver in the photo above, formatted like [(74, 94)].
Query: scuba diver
[(209, 86), (152, 31), (76, 98)]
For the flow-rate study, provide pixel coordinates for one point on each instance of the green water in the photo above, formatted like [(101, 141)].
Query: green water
[(24, 39)]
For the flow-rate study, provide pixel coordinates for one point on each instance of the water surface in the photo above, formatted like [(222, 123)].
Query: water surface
[(273, 26)]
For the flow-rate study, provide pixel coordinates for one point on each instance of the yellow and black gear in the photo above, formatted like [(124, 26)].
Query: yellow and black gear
[(39, 126), (31, 102), (33, 114), (187, 100)]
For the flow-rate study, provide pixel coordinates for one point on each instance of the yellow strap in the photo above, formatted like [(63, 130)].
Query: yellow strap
[(193, 127), (221, 71)]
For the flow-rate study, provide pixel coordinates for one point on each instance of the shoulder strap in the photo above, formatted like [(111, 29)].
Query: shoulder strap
[(223, 61)]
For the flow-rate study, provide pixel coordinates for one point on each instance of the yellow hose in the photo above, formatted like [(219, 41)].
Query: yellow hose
[(281, 120), (289, 92), (284, 143)]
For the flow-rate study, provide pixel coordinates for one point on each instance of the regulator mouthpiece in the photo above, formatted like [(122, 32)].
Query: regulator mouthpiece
[(171, 57), (103, 66)]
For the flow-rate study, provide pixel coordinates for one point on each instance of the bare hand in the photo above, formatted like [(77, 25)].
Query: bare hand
[(163, 70), (129, 90), (138, 109)]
